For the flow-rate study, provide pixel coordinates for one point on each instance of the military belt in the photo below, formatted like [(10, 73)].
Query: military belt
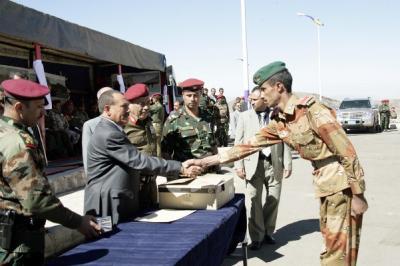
[(317, 164)]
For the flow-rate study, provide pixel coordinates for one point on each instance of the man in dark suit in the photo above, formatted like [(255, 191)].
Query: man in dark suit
[(114, 164)]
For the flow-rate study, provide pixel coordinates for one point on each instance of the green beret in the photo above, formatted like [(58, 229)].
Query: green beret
[(264, 73)]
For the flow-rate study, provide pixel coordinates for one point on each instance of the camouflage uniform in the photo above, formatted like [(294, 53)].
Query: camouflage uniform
[(310, 128), (157, 116), (141, 134), (222, 122), (25, 190), (384, 111), (204, 102), (186, 137)]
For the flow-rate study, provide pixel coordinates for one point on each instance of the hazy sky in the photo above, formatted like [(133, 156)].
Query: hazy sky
[(360, 41)]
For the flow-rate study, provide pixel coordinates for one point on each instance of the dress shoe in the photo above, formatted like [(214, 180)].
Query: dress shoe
[(255, 245), (269, 240)]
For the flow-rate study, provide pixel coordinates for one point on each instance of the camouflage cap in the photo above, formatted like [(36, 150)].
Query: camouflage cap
[(266, 72)]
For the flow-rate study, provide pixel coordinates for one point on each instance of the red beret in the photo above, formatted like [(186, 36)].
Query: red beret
[(191, 84), (219, 96), (22, 88), (136, 91), (156, 94)]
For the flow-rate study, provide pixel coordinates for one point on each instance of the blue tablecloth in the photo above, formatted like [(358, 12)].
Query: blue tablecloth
[(202, 238)]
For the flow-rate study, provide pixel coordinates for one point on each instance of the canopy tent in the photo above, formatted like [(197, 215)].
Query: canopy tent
[(29, 25)]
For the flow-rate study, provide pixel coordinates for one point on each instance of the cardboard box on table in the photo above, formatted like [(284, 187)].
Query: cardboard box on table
[(210, 191)]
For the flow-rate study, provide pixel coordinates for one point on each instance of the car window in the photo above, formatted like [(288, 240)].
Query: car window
[(355, 104)]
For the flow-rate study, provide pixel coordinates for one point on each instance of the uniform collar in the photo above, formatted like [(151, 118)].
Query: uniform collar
[(12, 122), (133, 121), (289, 107), (187, 115)]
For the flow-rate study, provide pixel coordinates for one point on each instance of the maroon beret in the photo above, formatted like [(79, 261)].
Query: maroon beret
[(219, 96), (191, 84), (136, 91), (22, 88), (156, 94)]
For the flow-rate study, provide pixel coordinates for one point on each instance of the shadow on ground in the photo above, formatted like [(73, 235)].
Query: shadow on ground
[(284, 235)]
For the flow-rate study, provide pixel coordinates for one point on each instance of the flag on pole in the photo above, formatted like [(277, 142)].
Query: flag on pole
[(166, 100), (120, 80), (39, 70), (121, 83)]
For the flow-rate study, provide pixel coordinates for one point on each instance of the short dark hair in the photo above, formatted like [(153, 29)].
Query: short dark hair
[(158, 98), (107, 98), (256, 88), (284, 77), (10, 101)]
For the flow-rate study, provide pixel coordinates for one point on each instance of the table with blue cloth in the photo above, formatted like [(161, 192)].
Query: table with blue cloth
[(204, 237)]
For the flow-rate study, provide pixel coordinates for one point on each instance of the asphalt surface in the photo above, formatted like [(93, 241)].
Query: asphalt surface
[(298, 238)]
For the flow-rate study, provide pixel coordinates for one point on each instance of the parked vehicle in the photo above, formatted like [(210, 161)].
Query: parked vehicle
[(358, 114)]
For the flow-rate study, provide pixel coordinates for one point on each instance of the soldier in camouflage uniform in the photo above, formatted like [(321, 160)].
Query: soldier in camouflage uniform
[(384, 112), (58, 142), (310, 128), (141, 134), (222, 120), (204, 100), (187, 134), (157, 116), (26, 198)]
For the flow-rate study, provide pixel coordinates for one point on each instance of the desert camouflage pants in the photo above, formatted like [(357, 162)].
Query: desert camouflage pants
[(340, 230)]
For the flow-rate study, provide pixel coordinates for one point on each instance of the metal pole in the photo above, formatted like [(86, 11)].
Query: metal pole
[(319, 64), (244, 49)]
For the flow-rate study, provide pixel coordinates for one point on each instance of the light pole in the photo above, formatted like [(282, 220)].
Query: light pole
[(244, 50), (318, 24)]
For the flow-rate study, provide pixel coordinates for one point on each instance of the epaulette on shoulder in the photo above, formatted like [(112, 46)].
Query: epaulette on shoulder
[(28, 140), (306, 101)]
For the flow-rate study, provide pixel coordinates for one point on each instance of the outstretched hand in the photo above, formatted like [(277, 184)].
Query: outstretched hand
[(192, 168)]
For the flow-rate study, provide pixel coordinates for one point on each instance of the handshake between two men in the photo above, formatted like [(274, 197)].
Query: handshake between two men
[(195, 167)]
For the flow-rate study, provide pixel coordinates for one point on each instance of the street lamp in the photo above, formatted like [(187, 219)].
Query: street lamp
[(245, 64), (318, 24)]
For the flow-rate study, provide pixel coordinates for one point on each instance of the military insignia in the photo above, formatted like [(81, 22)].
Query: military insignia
[(306, 101), (28, 140)]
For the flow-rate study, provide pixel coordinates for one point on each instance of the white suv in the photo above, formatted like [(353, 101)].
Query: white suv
[(358, 114)]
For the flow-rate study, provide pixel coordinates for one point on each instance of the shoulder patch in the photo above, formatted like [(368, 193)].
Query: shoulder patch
[(306, 101)]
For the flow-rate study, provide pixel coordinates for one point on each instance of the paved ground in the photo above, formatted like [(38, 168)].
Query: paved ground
[(298, 236), (299, 240)]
